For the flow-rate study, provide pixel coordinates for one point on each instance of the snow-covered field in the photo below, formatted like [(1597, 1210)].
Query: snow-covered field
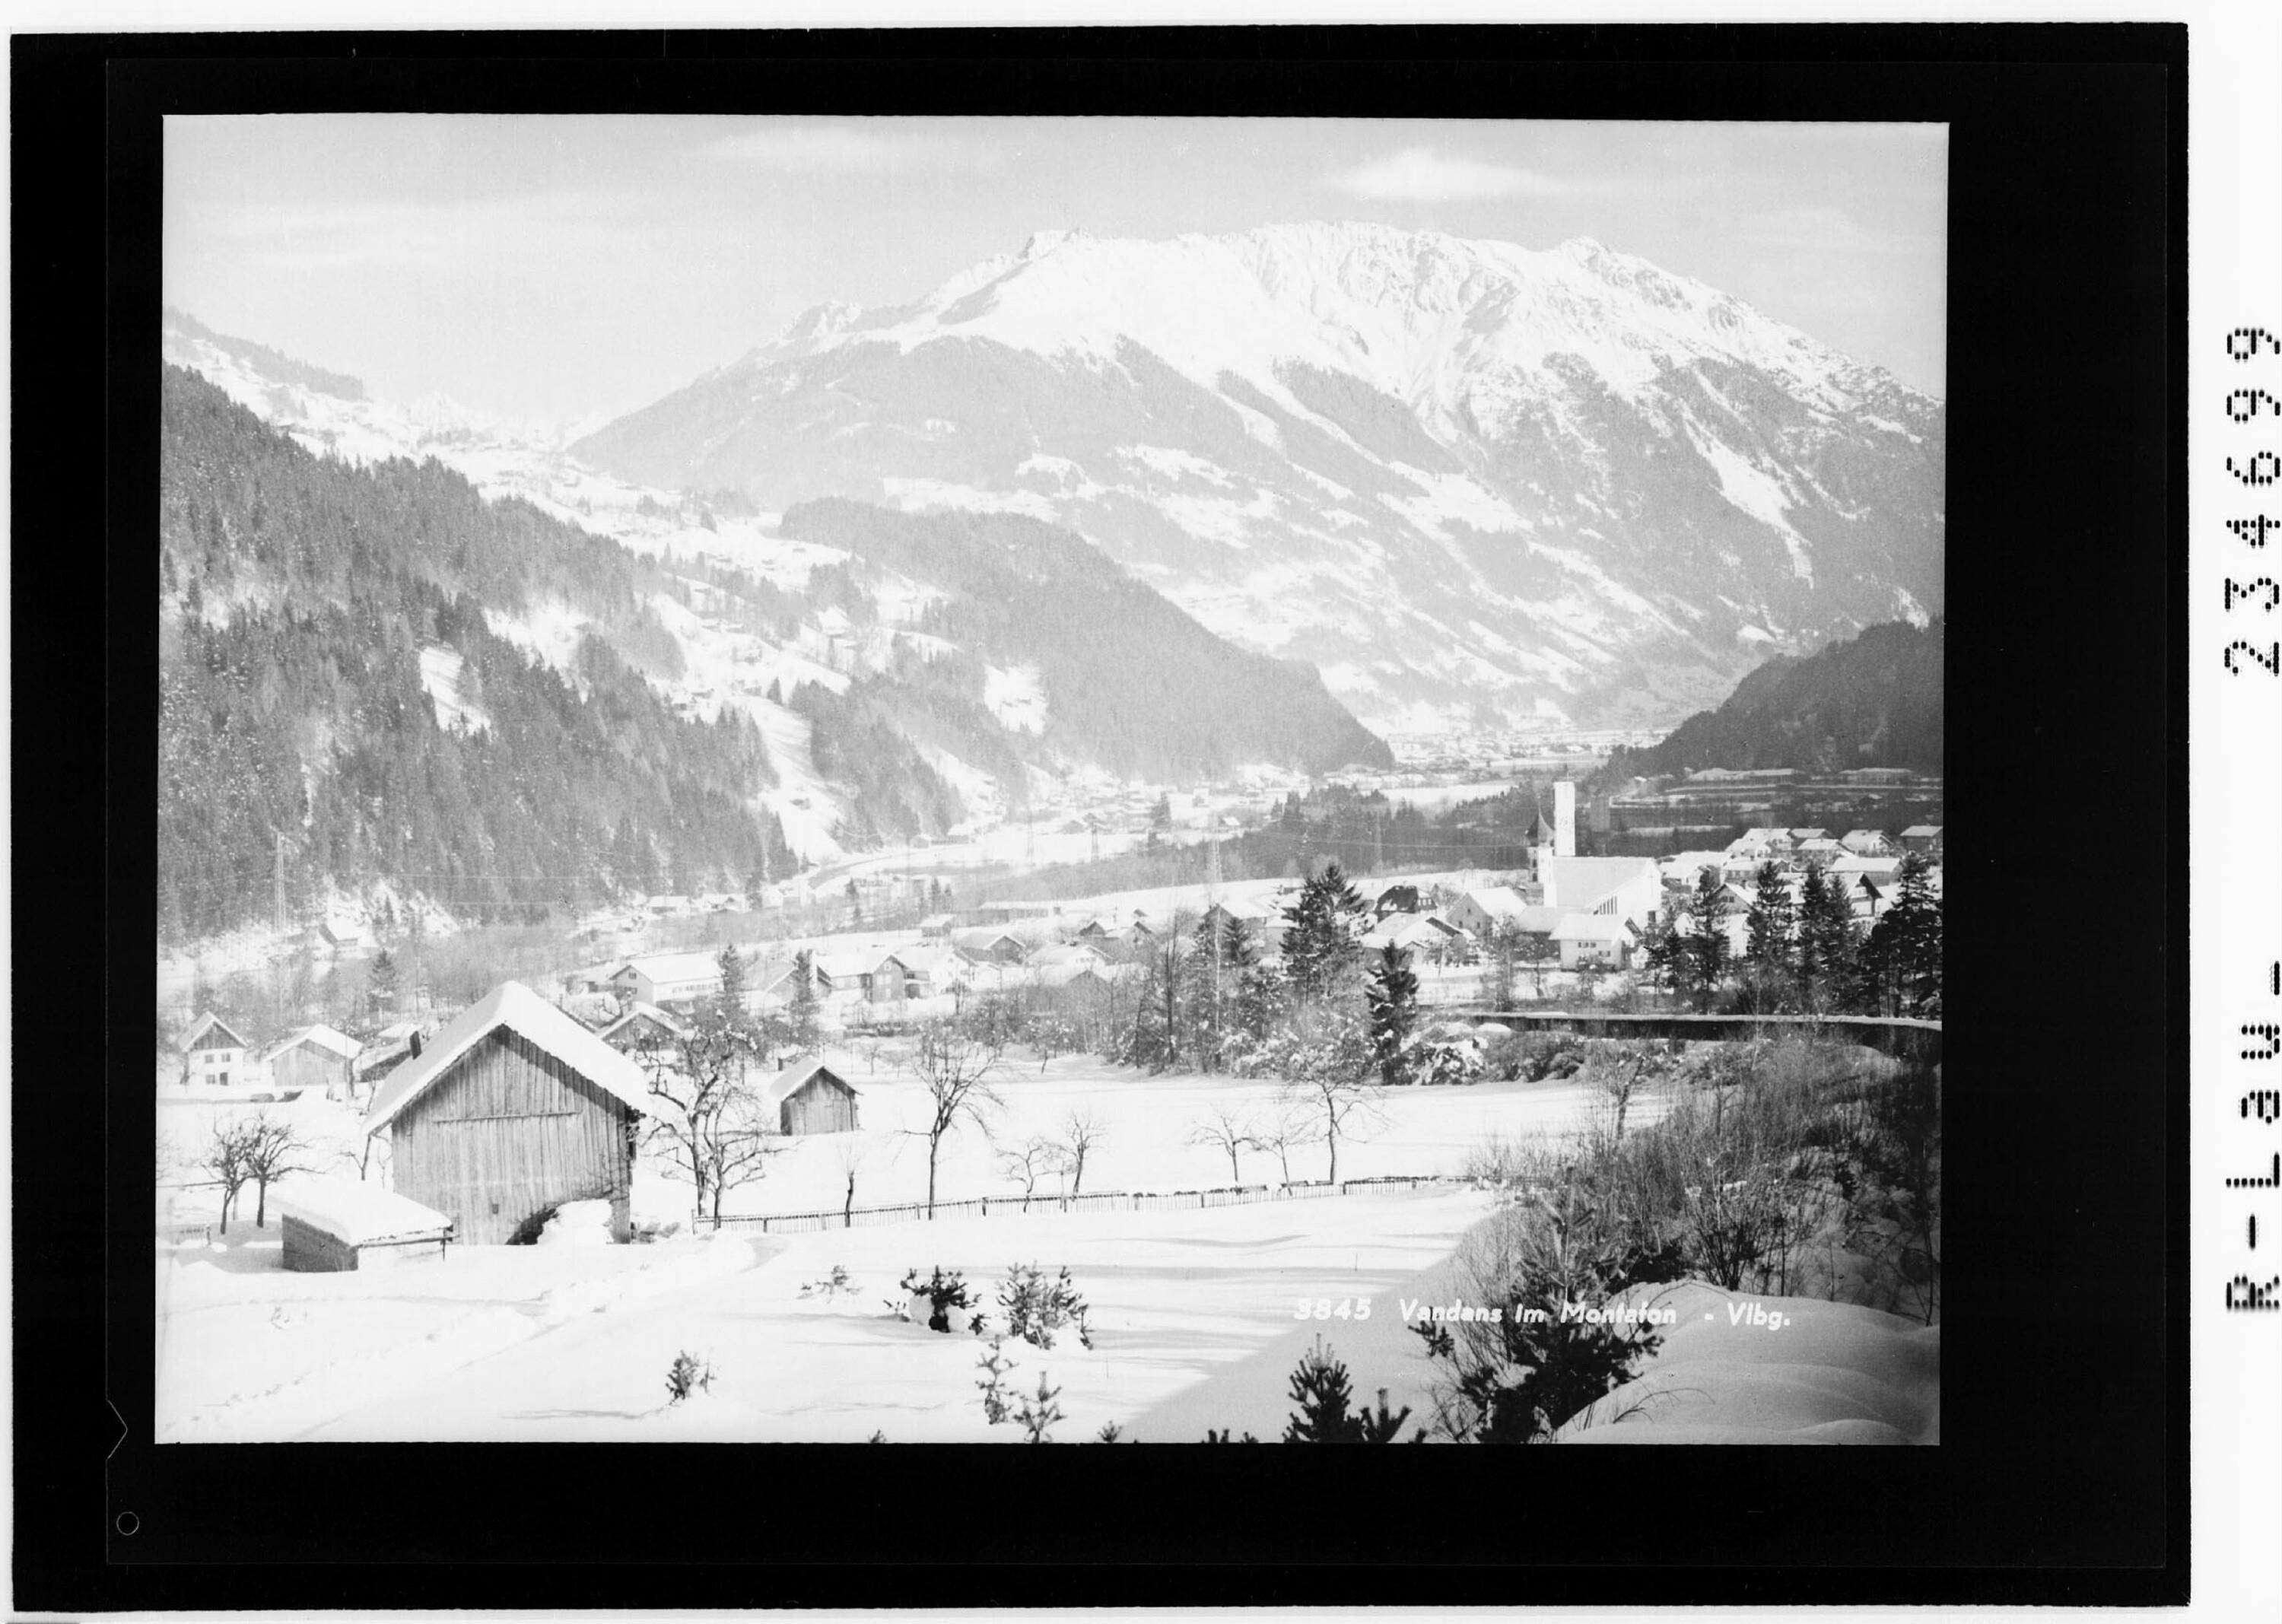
[(545, 1342)]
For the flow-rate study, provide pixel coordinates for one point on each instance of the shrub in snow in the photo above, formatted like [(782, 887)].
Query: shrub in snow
[(1039, 1413), (1110, 1432), (688, 1374), (1037, 1307), (831, 1286), (647, 1232), (994, 1364), (929, 1301), (1319, 1388)]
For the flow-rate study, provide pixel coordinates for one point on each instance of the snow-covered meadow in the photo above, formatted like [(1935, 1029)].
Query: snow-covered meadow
[(574, 1342)]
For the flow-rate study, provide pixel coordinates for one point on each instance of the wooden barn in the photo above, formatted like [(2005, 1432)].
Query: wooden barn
[(642, 1027), (314, 1057), (512, 1110), (811, 1098)]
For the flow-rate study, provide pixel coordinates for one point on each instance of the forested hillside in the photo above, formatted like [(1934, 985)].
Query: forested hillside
[(1130, 681), (1873, 701), (309, 613)]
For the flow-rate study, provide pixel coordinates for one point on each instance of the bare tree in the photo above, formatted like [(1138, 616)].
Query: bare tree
[(1031, 1161), (223, 1160), (952, 1061), (271, 1150), (851, 1163), (1285, 1128), (717, 1129), (1081, 1130), (1222, 1129), (1328, 1075)]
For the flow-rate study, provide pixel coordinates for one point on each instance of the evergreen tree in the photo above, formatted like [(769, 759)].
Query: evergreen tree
[(1771, 923), (732, 996), (1323, 923), (1704, 949), (1899, 965), (800, 1003), (1826, 940), (1320, 1389), (1394, 997)]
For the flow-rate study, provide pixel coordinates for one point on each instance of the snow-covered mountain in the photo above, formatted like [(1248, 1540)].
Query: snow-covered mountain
[(1472, 483)]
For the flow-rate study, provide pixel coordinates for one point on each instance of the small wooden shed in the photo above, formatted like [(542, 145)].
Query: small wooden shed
[(314, 1057), (811, 1098), (512, 1110), (334, 1225)]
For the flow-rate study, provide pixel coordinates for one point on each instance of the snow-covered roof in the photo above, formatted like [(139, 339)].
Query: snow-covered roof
[(358, 1213), (640, 1011), (677, 967), (324, 1037), (852, 966), (516, 1006), (205, 1024), (1591, 928), (788, 1082), (1922, 831), (1497, 901)]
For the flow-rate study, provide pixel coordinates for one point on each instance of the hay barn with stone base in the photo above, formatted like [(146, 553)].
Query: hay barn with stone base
[(512, 1110)]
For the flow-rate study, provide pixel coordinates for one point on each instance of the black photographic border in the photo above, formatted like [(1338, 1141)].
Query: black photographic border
[(2062, 1473)]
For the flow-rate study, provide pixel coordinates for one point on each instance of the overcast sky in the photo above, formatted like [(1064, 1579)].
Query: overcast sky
[(549, 268)]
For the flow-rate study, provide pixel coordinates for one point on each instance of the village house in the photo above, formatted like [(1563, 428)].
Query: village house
[(642, 1028), (1427, 935), (1060, 955), (391, 1046), (1395, 899), (1867, 842), (339, 933), (213, 1053), (1263, 924), (931, 971), (870, 974), (987, 944), (669, 979), (512, 1109), (1603, 941), (811, 1098), (1925, 838), (312, 1057), (1477, 913), (938, 927)]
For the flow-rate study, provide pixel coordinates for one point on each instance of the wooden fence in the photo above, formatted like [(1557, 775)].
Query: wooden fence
[(1014, 1206)]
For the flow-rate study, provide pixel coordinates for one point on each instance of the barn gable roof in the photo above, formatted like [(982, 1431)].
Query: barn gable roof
[(322, 1036), (530, 1017), (792, 1079), (640, 1011), (205, 1024)]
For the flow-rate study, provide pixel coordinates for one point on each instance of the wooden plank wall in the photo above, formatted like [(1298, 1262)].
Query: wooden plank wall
[(820, 1106), (509, 1132)]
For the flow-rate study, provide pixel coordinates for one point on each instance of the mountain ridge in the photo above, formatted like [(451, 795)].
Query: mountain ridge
[(1470, 482)]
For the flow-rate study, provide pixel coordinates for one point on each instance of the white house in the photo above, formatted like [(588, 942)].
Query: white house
[(1601, 940), (1867, 842), (669, 978), (214, 1054)]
